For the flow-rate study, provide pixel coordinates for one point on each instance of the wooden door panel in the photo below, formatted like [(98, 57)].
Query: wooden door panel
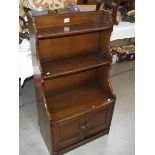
[(98, 120), (68, 132)]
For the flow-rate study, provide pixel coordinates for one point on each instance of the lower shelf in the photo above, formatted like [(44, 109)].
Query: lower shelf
[(76, 101)]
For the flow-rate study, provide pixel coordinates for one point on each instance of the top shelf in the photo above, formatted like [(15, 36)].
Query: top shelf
[(49, 26), (57, 31)]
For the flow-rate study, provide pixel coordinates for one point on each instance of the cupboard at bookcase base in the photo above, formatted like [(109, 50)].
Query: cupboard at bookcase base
[(73, 132)]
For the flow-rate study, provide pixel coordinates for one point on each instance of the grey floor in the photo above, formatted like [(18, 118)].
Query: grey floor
[(120, 140)]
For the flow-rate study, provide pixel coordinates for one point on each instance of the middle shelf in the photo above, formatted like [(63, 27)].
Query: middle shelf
[(74, 64)]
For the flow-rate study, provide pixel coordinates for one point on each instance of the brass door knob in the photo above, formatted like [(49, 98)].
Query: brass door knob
[(87, 124), (83, 127)]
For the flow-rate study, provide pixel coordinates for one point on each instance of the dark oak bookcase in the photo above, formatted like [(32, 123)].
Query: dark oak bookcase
[(71, 63)]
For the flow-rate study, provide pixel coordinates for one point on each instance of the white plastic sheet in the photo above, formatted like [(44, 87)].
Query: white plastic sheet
[(123, 30), (25, 61)]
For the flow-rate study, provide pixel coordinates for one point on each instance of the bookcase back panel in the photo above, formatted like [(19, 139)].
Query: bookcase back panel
[(67, 82), (57, 20), (68, 46)]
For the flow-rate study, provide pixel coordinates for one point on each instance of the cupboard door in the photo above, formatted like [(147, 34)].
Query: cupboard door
[(98, 120), (68, 132)]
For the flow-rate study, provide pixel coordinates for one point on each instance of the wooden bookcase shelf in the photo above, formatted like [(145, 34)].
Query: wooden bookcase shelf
[(71, 63), (80, 101), (59, 31)]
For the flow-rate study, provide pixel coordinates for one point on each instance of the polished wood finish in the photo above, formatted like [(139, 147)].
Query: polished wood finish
[(71, 65), (74, 96), (72, 81), (48, 45), (79, 102), (58, 31), (80, 18)]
